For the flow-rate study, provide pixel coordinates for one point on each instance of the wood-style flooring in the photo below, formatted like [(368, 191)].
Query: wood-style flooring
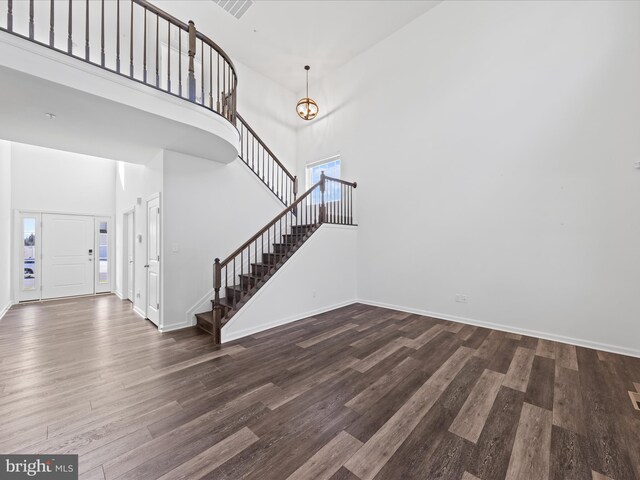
[(357, 393)]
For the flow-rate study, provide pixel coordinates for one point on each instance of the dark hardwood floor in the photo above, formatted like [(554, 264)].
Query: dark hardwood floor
[(356, 393)]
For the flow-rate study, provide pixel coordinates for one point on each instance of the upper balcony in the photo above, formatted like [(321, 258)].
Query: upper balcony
[(123, 78)]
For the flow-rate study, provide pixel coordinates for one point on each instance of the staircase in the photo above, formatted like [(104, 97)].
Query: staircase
[(197, 70), (238, 277), (259, 273)]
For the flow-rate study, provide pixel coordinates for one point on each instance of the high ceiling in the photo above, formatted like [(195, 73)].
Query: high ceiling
[(278, 37)]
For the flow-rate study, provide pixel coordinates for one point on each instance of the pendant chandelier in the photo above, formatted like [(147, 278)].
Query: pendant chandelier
[(307, 108)]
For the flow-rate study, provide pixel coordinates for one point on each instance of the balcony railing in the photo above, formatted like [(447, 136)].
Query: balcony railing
[(135, 39)]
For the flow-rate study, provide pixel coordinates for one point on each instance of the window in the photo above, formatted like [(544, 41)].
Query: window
[(331, 168), (29, 254), (103, 253)]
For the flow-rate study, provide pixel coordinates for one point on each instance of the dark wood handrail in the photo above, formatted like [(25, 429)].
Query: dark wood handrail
[(344, 182), (264, 145), (225, 87), (185, 26), (289, 209)]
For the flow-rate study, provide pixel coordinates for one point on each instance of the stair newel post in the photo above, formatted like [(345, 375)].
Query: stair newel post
[(192, 54), (322, 204), (217, 309)]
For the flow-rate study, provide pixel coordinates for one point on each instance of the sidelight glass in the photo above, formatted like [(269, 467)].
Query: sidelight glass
[(103, 253), (29, 254)]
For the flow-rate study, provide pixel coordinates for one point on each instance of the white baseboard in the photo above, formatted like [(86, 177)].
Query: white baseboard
[(118, 294), (174, 327), (293, 318), (5, 309), (510, 329), (139, 311)]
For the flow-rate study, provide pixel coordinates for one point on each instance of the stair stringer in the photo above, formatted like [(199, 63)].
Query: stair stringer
[(325, 264)]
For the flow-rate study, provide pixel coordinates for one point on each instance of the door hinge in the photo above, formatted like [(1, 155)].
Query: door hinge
[(158, 257), (157, 306)]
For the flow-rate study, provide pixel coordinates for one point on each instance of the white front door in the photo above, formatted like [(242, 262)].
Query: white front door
[(153, 259), (129, 233), (68, 255)]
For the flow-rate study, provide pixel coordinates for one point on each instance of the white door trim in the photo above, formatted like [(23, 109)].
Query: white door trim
[(126, 235), (150, 198)]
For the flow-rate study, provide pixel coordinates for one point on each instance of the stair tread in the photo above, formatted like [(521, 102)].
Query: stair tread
[(252, 275), (206, 316)]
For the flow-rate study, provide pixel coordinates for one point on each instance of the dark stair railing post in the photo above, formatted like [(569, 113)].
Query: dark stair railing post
[(192, 54), (51, 21), (31, 24), (322, 218), (10, 16), (217, 309), (70, 28), (86, 32), (295, 193)]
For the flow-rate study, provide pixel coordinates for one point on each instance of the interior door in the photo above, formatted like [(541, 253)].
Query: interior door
[(153, 259), (67, 255), (130, 245)]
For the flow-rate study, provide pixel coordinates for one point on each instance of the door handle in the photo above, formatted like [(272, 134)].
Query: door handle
[(146, 266)]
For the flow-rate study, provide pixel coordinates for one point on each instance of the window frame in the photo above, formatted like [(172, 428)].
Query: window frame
[(315, 198), (309, 166)]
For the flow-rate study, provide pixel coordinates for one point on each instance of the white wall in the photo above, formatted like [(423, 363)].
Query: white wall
[(209, 210), (55, 181), (224, 204), (133, 182), (493, 144), (5, 226), (270, 110), (326, 262)]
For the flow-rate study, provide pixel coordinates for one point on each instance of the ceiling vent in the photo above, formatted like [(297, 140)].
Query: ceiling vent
[(237, 8)]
